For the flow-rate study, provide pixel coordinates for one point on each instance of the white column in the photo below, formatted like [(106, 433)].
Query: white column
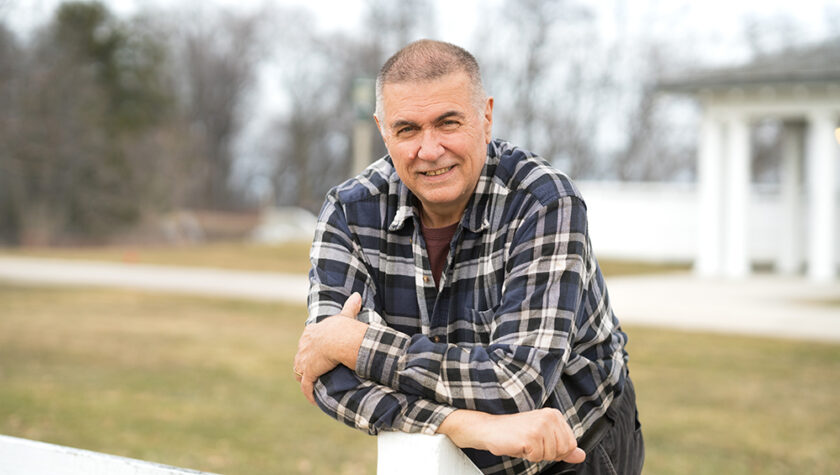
[(737, 172), (822, 179), (709, 260), (789, 259)]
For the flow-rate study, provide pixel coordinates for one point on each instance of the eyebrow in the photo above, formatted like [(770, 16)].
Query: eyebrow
[(402, 123), (449, 114)]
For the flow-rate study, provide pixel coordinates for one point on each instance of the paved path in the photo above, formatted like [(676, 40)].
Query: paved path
[(762, 305), (790, 307), (191, 280)]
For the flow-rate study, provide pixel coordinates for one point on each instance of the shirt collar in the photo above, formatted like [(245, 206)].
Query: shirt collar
[(475, 216)]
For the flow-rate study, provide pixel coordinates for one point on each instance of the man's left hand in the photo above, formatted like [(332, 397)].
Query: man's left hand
[(325, 345)]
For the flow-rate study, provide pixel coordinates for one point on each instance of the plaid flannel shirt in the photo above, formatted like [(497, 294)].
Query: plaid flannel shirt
[(521, 319)]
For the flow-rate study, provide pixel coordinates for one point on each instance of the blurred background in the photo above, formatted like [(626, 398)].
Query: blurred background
[(205, 134), (123, 119)]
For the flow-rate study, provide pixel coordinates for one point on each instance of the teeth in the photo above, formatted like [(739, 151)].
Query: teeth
[(438, 172)]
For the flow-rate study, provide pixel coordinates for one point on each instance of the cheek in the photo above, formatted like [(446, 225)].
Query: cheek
[(401, 160), (403, 151)]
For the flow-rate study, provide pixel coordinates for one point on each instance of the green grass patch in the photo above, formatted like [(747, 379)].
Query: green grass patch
[(289, 257), (714, 404), (208, 384), (613, 267), (191, 382)]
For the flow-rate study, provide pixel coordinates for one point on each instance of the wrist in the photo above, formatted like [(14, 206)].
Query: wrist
[(348, 335), (463, 427)]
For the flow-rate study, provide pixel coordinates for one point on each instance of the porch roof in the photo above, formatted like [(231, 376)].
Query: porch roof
[(805, 65)]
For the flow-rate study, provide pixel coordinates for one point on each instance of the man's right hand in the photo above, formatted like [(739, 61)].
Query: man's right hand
[(537, 435)]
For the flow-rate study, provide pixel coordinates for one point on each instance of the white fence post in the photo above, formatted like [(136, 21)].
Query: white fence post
[(420, 454), (28, 457)]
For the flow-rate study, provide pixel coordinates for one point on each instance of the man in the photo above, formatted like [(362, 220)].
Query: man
[(454, 290)]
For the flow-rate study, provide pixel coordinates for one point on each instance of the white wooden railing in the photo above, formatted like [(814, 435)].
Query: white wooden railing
[(399, 454), (418, 454), (28, 457)]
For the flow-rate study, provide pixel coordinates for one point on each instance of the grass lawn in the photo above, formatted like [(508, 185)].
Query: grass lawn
[(290, 257), (207, 384), (191, 382)]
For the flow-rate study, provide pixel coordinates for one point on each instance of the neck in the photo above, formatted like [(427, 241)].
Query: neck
[(440, 218)]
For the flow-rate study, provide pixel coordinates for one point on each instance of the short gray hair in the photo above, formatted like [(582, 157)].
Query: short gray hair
[(425, 60)]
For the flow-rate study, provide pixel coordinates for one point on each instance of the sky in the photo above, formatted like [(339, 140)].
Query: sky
[(457, 19), (712, 28)]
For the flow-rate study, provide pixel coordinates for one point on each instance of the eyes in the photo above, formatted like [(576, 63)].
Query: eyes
[(450, 124), (446, 125), (406, 130)]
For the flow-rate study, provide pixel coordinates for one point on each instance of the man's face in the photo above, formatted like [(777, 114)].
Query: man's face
[(438, 140)]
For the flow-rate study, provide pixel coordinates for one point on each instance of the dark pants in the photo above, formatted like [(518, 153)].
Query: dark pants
[(618, 449)]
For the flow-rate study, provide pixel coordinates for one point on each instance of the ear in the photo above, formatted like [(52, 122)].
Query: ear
[(380, 126), (488, 120)]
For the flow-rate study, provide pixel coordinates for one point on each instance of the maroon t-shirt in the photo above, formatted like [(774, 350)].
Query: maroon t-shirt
[(437, 246)]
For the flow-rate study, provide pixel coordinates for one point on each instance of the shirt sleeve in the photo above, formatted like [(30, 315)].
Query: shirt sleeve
[(541, 308), (338, 270)]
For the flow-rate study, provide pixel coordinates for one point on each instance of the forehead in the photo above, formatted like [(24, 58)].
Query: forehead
[(452, 92)]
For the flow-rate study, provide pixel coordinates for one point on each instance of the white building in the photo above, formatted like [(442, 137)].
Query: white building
[(802, 88)]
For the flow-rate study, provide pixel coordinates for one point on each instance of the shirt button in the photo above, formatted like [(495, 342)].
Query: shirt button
[(436, 339)]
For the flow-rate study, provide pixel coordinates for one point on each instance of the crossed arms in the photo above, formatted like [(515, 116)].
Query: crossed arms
[(484, 396), (534, 435)]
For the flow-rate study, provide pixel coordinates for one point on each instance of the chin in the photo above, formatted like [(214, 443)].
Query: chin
[(440, 196)]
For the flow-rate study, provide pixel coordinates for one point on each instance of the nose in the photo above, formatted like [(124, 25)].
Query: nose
[(430, 146)]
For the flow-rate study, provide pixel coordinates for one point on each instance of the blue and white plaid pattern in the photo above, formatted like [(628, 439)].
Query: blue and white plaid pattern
[(521, 319)]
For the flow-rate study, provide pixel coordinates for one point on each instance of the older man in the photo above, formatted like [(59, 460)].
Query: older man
[(454, 290)]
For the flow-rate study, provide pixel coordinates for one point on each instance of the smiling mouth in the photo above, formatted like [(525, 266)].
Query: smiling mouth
[(439, 171)]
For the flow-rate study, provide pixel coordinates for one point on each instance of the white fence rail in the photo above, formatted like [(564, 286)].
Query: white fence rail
[(28, 457), (399, 454), (419, 454)]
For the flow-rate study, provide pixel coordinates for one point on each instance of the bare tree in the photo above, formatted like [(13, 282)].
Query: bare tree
[(656, 148), (79, 101), (216, 56), (543, 56), (11, 194), (311, 142)]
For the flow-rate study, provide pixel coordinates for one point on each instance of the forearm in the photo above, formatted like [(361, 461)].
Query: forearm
[(456, 427), (539, 435), (343, 337), (329, 343), (370, 407), (497, 378)]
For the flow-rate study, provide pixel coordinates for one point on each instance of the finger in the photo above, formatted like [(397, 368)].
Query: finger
[(534, 450), (352, 306), (550, 447), (577, 456), (307, 386), (297, 366)]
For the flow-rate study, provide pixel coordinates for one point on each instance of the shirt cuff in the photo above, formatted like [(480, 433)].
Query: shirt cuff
[(379, 355), (426, 417)]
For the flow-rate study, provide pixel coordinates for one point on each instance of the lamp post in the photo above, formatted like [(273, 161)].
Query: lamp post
[(363, 105)]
